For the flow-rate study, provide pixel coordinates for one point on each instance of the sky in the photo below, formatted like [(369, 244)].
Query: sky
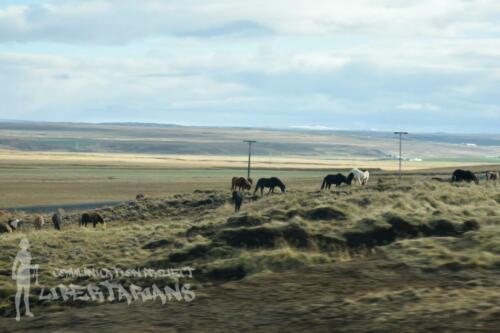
[(422, 66)]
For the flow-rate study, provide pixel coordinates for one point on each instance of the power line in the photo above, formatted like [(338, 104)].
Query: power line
[(400, 151), (250, 142)]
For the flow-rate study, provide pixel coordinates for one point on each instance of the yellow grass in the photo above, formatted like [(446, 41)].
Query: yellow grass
[(213, 161)]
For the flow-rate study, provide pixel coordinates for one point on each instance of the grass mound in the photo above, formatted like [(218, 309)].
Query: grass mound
[(325, 213), (158, 244), (245, 220), (370, 232), (265, 237)]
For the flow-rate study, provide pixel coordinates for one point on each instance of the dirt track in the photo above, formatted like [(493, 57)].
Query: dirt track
[(330, 298)]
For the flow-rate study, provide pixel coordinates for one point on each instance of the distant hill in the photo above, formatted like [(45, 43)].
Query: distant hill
[(173, 139)]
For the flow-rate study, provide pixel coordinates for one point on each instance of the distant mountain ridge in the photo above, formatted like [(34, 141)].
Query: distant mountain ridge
[(150, 138)]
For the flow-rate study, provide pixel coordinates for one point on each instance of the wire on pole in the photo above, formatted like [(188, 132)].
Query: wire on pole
[(250, 142), (400, 152)]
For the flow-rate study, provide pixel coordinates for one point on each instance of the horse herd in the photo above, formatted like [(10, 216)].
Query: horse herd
[(57, 220), (240, 184), (357, 176), (460, 175)]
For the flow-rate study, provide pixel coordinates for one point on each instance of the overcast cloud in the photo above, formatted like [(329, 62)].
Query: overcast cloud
[(379, 64)]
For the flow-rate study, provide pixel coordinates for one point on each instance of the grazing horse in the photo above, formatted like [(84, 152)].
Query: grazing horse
[(334, 179), (15, 224), (492, 175), (93, 218), (241, 184), (271, 183), (460, 175), (5, 228), (238, 200), (57, 221), (361, 177), (39, 222)]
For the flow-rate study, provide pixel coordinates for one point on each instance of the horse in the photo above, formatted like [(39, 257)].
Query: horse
[(238, 200), (241, 184), (93, 218), (460, 175), (57, 221), (271, 183), (15, 224), (5, 228), (361, 177), (39, 222), (334, 179), (139, 197), (492, 175)]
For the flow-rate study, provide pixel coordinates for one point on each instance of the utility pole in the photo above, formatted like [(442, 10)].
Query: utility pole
[(250, 142), (400, 151)]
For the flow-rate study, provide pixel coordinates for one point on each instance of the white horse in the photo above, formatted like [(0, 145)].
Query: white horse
[(361, 177)]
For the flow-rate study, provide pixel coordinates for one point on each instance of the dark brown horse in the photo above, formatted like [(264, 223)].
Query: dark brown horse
[(336, 180), (270, 183), (238, 200), (57, 221), (93, 218), (464, 176)]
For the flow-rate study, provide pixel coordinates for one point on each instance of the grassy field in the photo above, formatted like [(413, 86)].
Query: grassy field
[(43, 178), (410, 256), (415, 256)]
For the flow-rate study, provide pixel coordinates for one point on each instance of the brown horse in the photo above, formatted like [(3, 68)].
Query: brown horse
[(39, 222), (241, 184), (492, 175)]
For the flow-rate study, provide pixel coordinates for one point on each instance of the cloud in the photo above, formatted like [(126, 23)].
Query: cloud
[(104, 21), (361, 64), (418, 107)]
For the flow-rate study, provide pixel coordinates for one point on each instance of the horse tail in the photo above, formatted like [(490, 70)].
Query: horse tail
[(324, 183)]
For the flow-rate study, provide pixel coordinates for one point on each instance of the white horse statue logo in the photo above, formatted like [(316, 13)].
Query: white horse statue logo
[(21, 272)]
